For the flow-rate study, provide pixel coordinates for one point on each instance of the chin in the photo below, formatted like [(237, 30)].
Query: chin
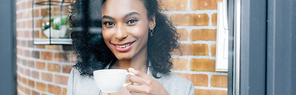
[(123, 56)]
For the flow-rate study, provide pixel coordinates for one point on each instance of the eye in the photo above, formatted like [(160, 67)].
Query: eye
[(108, 23), (131, 21)]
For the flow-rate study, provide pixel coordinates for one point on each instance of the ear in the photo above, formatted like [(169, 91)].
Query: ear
[(152, 22)]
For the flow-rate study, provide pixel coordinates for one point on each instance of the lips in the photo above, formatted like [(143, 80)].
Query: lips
[(123, 47)]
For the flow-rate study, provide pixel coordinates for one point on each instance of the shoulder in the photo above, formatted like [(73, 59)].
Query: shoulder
[(81, 84), (172, 77), (74, 71), (176, 85)]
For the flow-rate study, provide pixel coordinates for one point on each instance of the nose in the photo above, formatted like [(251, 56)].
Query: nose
[(121, 32)]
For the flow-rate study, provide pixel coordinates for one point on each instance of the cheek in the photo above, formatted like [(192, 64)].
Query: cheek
[(107, 34), (139, 31)]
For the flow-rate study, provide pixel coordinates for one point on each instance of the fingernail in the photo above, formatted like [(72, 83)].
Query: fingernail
[(131, 69)]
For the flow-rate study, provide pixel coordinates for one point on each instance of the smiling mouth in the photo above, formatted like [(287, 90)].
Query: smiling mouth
[(123, 45)]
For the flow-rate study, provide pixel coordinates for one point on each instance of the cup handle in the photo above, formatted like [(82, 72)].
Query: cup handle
[(125, 84)]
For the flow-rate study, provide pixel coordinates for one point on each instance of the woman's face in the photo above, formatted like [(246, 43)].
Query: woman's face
[(125, 27)]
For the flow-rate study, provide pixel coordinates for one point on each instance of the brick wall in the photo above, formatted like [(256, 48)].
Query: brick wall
[(196, 21), (41, 69), (44, 69)]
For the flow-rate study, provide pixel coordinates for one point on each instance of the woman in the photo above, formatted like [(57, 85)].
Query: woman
[(135, 35)]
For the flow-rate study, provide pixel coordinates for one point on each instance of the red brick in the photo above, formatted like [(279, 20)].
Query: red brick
[(23, 5), (27, 91), (27, 53), (18, 59), (35, 54), (29, 4), (67, 68), (185, 75), (40, 65), (183, 34), (20, 87), (18, 7), (46, 55), (202, 65), (29, 25), (30, 63), (44, 11), (36, 34), (203, 4), (62, 57), (61, 79), (19, 77), (19, 51), (23, 25), (47, 77), (37, 24), (64, 91), (24, 43), (31, 83), (65, 10), (203, 34), (18, 33), (53, 47), (37, 13), (54, 89), (40, 46), (219, 80), (192, 49), (73, 58), (35, 74), (35, 92), (53, 67), (218, 92), (30, 44), (202, 92), (24, 62), (190, 19), (213, 49), (24, 80), (214, 19), (209, 92), (18, 24), (41, 86), (27, 72), (20, 69), (199, 79), (18, 42), (174, 5), (179, 64), (27, 34)]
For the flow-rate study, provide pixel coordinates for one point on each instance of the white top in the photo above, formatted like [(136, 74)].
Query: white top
[(85, 85)]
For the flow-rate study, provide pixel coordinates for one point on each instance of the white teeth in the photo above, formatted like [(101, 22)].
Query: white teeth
[(124, 45)]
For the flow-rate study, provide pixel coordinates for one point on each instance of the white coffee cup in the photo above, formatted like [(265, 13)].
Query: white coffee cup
[(111, 80)]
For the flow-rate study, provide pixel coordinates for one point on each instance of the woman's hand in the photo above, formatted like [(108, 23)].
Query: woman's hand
[(144, 84)]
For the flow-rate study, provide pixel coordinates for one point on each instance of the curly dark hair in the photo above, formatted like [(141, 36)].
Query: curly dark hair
[(93, 53)]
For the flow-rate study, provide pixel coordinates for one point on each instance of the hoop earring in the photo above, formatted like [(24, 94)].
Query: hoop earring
[(151, 32)]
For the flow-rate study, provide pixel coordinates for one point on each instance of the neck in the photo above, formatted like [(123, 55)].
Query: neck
[(138, 62)]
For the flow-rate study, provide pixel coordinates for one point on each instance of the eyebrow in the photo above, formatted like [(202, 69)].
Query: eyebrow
[(127, 15), (131, 13)]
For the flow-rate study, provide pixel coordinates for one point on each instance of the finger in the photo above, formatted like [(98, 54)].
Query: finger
[(137, 80), (136, 84), (136, 93), (138, 72), (136, 89)]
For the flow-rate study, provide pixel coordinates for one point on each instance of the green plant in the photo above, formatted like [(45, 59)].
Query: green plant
[(63, 21)]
